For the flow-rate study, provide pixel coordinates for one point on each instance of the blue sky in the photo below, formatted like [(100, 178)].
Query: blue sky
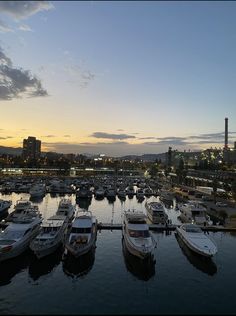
[(119, 77)]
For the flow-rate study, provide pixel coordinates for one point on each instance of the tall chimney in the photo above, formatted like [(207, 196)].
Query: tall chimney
[(226, 132)]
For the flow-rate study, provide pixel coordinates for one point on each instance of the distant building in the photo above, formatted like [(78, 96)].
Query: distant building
[(31, 148)]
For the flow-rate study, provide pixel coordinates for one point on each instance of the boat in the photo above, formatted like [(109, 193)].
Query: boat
[(4, 206), (82, 234), (84, 193), (121, 193), (51, 236), (193, 236), (16, 237), (130, 191), (194, 212), (140, 194), (99, 193), (137, 237), (65, 208), (37, 190), (156, 213)]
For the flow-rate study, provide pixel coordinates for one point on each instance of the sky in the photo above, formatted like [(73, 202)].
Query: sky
[(117, 77)]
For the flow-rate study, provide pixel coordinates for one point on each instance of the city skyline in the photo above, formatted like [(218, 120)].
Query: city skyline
[(117, 77)]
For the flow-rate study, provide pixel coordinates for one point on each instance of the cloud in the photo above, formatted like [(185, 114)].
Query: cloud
[(4, 28), (25, 28), (6, 137), (120, 130), (79, 75), (48, 136), (66, 136), (23, 9), (111, 136), (14, 82), (151, 137)]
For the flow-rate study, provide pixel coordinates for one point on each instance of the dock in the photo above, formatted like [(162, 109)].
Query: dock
[(153, 227)]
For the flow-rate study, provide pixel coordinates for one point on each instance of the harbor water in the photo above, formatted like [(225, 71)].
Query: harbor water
[(111, 281)]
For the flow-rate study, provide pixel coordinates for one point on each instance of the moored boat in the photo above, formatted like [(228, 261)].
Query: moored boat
[(82, 234), (136, 234), (193, 236)]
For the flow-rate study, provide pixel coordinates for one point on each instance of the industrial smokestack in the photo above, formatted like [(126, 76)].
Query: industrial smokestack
[(226, 132)]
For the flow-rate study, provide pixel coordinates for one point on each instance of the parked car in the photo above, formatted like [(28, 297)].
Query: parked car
[(221, 204)]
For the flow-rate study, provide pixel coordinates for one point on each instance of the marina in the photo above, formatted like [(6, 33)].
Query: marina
[(56, 281)]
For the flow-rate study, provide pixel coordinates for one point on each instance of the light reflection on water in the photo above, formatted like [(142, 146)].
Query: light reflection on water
[(110, 280)]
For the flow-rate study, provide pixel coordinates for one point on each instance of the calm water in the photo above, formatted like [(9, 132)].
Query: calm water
[(112, 281)]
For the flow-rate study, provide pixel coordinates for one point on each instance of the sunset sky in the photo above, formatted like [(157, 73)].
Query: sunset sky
[(117, 77)]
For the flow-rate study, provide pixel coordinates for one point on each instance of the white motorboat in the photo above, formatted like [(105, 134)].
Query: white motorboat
[(23, 210), (196, 240), (137, 237), (82, 235), (17, 236), (194, 212), (65, 208), (4, 206), (51, 236), (156, 213)]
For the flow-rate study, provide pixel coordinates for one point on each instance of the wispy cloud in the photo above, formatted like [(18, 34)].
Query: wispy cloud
[(6, 137), (23, 9), (111, 136), (48, 136), (25, 28), (79, 75), (15, 82), (4, 28), (66, 136)]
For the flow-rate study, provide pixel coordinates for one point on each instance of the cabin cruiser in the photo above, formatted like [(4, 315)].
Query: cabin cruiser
[(194, 212), (140, 194), (51, 236), (4, 206), (196, 240), (111, 193), (136, 234), (23, 209), (121, 194), (37, 190), (65, 208), (17, 236), (84, 193), (166, 195), (130, 191), (156, 213), (82, 235), (99, 193)]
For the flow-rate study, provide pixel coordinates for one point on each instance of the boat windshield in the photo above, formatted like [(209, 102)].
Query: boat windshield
[(50, 229), (138, 233), (192, 229), (79, 230)]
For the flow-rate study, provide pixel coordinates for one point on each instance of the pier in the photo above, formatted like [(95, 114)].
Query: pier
[(153, 227)]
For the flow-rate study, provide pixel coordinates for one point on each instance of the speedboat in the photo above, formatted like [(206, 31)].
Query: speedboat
[(65, 208), (156, 213), (82, 234), (137, 237), (193, 236), (16, 238), (51, 236)]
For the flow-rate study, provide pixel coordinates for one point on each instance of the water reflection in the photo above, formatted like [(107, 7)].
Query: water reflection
[(201, 263), (43, 266), (84, 203), (76, 268), (11, 267), (141, 269)]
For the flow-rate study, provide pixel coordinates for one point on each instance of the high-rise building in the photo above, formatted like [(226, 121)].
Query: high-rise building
[(31, 148)]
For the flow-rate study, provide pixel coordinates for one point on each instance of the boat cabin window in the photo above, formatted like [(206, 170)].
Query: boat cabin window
[(81, 230), (139, 233)]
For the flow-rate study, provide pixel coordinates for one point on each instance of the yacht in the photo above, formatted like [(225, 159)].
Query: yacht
[(194, 212), (99, 193), (136, 234), (156, 213), (84, 193), (196, 240), (130, 191), (121, 194), (51, 236), (23, 209), (4, 206), (140, 194), (37, 190), (111, 193), (82, 236), (65, 208), (16, 237)]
